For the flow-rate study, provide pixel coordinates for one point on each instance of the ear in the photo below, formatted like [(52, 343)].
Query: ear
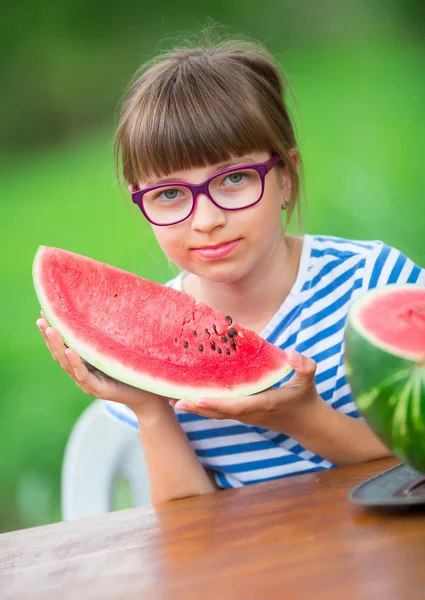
[(295, 157), (285, 179), (284, 183)]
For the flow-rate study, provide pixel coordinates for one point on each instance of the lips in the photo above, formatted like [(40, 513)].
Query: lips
[(217, 251), (216, 246)]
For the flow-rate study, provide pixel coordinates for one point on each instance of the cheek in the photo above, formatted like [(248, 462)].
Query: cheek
[(171, 240), (273, 212), (265, 218)]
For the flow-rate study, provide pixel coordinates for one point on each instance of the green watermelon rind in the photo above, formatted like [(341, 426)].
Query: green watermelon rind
[(388, 387), (122, 373)]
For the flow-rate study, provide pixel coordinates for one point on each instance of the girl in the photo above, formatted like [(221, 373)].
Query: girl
[(217, 116)]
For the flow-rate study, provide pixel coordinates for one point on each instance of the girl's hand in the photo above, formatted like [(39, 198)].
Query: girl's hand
[(282, 409), (92, 381)]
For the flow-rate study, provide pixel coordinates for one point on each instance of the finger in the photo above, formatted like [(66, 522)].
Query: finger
[(90, 367), (231, 407), (86, 376), (190, 407), (304, 366), (223, 408), (81, 372), (92, 381), (43, 316), (57, 348), (43, 325), (48, 336)]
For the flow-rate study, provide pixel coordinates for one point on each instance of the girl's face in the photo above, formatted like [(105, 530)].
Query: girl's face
[(221, 245)]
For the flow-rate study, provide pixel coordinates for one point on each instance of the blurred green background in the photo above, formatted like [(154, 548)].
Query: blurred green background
[(357, 72)]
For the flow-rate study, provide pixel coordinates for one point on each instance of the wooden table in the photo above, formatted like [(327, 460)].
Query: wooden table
[(293, 538)]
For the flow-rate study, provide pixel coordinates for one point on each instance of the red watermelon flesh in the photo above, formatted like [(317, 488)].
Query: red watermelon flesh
[(396, 320), (149, 335)]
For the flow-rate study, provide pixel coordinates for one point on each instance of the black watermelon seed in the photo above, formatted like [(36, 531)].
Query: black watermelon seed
[(232, 332), (213, 345), (219, 350), (201, 348), (207, 332), (229, 320), (224, 338), (227, 351), (234, 345), (186, 344), (214, 328), (175, 339), (195, 333)]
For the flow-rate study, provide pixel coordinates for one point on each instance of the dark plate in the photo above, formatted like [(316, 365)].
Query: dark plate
[(401, 485)]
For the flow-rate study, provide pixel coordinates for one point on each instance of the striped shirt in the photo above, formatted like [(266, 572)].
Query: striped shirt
[(333, 272)]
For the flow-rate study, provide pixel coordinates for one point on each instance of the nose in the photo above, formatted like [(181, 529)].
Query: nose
[(206, 215)]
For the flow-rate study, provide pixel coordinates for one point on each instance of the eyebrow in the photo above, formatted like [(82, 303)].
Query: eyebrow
[(215, 169)]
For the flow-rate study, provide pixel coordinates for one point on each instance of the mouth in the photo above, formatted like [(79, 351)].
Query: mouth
[(216, 246), (217, 250)]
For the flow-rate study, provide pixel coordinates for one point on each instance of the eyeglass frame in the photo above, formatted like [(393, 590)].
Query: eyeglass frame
[(262, 169)]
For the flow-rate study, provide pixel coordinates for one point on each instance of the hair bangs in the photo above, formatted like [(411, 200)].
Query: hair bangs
[(197, 119)]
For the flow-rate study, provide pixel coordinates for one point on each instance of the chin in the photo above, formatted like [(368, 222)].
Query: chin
[(221, 273)]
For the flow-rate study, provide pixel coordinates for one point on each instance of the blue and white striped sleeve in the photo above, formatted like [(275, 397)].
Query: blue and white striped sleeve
[(386, 265)]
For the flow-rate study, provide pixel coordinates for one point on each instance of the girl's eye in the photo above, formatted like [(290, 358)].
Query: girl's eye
[(234, 178), (170, 194)]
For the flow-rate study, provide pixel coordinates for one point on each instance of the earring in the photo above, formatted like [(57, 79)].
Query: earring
[(286, 205)]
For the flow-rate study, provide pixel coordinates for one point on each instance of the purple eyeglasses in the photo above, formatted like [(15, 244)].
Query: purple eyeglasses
[(231, 189)]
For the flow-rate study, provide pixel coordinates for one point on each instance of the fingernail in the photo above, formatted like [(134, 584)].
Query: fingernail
[(296, 358), (201, 403), (48, 333)]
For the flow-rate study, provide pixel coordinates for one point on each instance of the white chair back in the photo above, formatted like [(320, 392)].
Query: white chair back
[(98, 451)]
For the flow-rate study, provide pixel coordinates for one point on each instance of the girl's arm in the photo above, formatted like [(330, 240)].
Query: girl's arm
[(173, 467), (340, 439)]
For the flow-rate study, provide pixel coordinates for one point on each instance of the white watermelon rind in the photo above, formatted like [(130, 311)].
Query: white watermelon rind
[(122, 373)]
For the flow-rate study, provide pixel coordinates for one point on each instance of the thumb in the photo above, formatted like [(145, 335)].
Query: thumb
[(304, 366)]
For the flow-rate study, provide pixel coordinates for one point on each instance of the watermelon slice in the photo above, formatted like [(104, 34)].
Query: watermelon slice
[(385, 360), (149, 335)]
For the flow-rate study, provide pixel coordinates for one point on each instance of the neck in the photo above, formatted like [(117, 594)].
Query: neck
[(254, 299)]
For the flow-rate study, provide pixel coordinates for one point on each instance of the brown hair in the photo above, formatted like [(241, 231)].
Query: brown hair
[(195, 106)]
